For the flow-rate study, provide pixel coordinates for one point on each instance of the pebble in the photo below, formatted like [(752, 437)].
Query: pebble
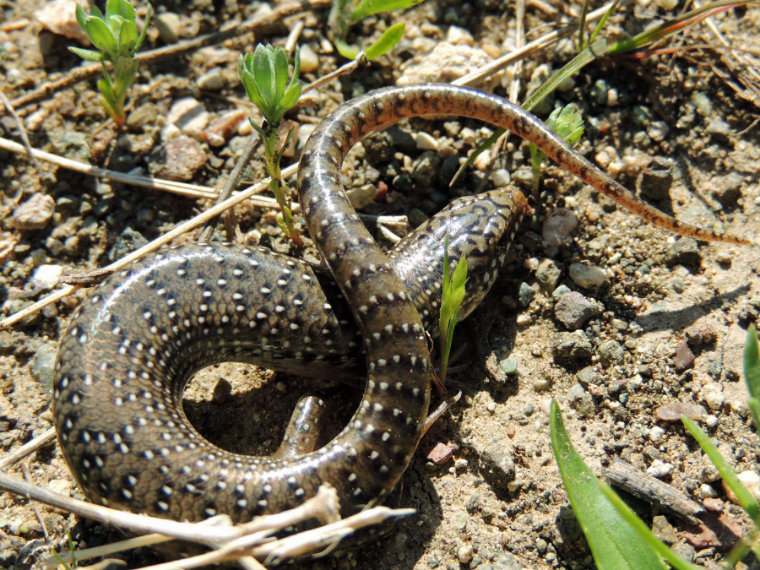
[(189, 115), (59, 17), (707, 491), (655, 181), (587, 276), (712, 394), (574, 310), (660, 469), (212, 80), (663, 530), (575, 393), (656, 433), (558, 226), (498, 464), (684, 357), (461, 463), (611, 352), (444, 64), (34, 214), (672, 412), (508, 366), (751, 481), (560, 292), (588, 376), (45, 277), (465, 553), (169, 27), (702, 334), (684, 251), (440, 454), (43, 363), (571, 349), (525, 294), (178, 159), (548, 274), (309, 59), (426, 141)]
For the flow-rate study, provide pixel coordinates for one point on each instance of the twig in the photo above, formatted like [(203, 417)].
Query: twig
[(21, 128), (28, 448), (231, 30)]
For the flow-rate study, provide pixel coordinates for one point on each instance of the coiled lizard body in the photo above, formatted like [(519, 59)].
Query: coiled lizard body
[(123, 362)]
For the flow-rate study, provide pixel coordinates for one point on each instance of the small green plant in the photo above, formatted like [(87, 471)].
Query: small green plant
[(346, 13), (567, 122), (265, 77), (115, 36), (452, 295)]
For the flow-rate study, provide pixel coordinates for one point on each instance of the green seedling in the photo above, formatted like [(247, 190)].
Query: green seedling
[(452, 296), (115, 36), (346, 13), (567, 122), (265, 77)]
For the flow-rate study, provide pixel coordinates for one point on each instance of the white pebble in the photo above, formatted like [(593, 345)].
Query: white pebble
[(189, 115), (713, 396), (46, 277), (309, 59), (656, 433), (660, 469)]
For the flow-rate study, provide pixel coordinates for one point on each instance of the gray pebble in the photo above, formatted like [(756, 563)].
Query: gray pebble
[(508, 366), (526, 294), (684, 251), (212, 80), (574, 310), (571, 349), (34, 214), (547, 274), (611, 352), (43, 363), (655, 181), (587, 276), (588, 376), (558, 226), (169, 27), (178, 159)]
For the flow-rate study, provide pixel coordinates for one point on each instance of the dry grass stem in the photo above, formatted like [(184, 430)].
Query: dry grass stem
[(28, 448)]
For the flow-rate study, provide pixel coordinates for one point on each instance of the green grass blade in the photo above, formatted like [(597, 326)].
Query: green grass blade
[(370, 7), (645, 533), (386, 42), (745, 498), (752, 363), (614, 543)]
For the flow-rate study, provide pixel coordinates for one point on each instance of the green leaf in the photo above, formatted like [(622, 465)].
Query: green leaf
[(643, 531), (614, 543), (386, 42), (148, 16), (87, 54), (263, 75), (280, 66), (752, 363), (122, 8), (81, 17), (127, 38), (100, 35), (345, 50), (743, 496), (369, 7)]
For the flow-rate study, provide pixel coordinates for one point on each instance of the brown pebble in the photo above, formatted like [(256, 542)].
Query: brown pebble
[(440, 454), (34, 214), (672, 412), (684, 358), (713, 504), (511, 430), (178, 159)]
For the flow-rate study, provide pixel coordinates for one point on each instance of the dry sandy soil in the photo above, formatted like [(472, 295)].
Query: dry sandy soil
[(668, 330)]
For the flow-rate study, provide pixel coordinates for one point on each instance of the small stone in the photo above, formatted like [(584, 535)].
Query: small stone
[(672, 412), (707, 491), (461, 464), (440, 454), (587, 276), (656, 433), (34, 214), (508, 366), (611, 352), (465, 553), (558, 226), (574, 310), (459, 36), (444, 64), (684, 251), (571, 350), (548, 274), (575, 393), (189, 115), (712, 394), (719, 128), (498, 465), (309, 59), (169, 27), (655, 181), (751, 480), (657, 130), (45, 277), (711, 503), (525, 294), (684, 358), (663, 530), (178, 159), (426, 141), (59, 16), (212, 80), (459, 520), (43, 363), (588, 376), (660, 469)]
